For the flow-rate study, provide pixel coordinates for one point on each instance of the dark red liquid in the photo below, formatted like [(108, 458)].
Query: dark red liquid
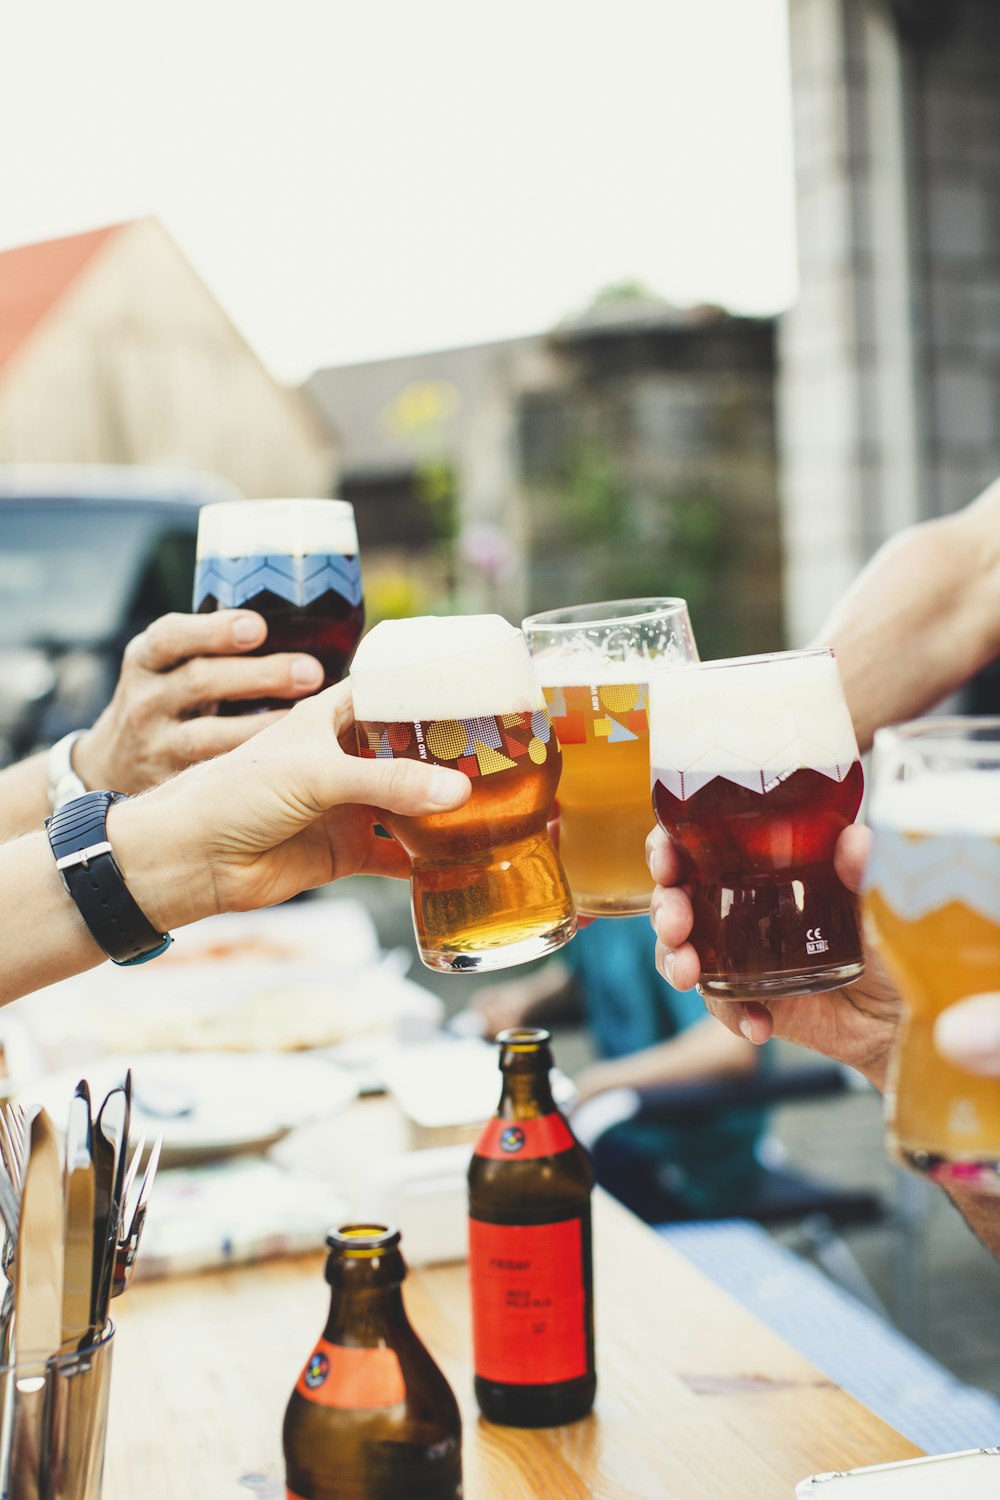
[(328, 628), (767, 901)]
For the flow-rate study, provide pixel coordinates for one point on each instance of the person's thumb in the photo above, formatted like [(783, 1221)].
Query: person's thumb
[(968, 1034), (852, 853), (403, 786)]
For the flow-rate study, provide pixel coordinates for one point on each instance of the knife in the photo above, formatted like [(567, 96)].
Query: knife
[(108, 1149), (78, 1266), (38, 1268)]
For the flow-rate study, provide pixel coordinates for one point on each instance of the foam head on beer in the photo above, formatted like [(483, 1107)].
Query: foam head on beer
[(443, 667), (272, 528), (959, 801), (751, 714)]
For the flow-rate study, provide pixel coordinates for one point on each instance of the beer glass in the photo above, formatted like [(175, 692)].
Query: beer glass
[(755, 772), (594, 663), (296, 563), (487, 886), (932, 905)]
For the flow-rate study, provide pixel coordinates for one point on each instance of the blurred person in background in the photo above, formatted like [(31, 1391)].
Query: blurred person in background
[(647, 1035), (920, 620), (162, 715)]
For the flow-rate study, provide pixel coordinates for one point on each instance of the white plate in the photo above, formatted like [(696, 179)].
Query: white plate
[(452, 1083), (232, 1101)]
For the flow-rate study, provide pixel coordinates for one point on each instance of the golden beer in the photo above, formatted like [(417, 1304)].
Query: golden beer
[(487, 886), (593, 663), (932, 903)]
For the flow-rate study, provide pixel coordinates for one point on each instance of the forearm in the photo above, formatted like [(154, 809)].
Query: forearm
[(921, 618), (706, 1050), (24, 797), (44, 936)]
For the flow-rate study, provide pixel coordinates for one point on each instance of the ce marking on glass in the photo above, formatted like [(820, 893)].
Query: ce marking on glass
[(815, 941)]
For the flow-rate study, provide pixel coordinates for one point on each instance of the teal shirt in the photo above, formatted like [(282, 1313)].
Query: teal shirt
[(711, 1165)]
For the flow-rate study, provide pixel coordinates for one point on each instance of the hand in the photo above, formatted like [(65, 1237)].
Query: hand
[(854, 1025), (292, 809), (968, 1034), (162, 717)]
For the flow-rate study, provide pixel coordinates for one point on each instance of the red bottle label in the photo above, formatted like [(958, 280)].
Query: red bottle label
[(529, 1314), (352, 1379), (525, 1140), (291, 1495)]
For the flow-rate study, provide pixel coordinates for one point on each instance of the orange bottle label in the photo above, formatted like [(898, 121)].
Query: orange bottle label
[(525, 1140), (529, 1312), (352, 1379)]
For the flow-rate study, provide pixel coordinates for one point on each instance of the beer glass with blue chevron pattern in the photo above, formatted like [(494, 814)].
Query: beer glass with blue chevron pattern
[(296, 563), (755, 773), (932, 904)]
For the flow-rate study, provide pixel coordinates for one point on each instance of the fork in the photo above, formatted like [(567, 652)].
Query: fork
[(12, 1151)]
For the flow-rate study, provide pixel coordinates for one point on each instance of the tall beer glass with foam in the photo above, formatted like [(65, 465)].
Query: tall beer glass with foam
[(296, 563), (593, 662), (755, 772), (932, 905), (487, 886)]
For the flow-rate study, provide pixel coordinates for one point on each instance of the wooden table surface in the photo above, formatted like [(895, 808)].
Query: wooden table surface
[(696, 1399)]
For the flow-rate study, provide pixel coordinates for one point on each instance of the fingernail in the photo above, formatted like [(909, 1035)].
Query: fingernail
[(306, 671), (246, 630), (655, 863), (445, 787), (667, 965), (746, 1028)]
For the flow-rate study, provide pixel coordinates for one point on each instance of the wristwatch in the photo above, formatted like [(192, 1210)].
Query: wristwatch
[(86, 862), (64, 783)]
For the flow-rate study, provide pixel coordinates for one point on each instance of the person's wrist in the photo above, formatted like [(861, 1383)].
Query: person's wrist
[(169, 880), (88, 762)]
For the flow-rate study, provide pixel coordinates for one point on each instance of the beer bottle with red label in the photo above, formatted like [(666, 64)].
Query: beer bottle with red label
[(530, 1250), (372, 1417)]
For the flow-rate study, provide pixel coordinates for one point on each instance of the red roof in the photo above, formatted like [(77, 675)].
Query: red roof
[(34, 277)]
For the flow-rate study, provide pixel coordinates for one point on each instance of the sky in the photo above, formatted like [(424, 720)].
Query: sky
[(356, 180)]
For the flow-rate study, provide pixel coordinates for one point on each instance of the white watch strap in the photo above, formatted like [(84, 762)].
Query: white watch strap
[(64, 783)]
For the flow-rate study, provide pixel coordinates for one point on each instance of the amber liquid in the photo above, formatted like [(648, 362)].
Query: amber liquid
[(940, 1120), (604, 818), (487, 886), (771, 916)]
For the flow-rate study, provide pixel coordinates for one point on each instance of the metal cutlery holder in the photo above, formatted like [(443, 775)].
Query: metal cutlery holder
[(53, 1424)]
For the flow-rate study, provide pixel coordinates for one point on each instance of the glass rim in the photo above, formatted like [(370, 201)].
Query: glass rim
[(34, 1362), (945, 734), (572, 617), (759, 660), (231, 506)]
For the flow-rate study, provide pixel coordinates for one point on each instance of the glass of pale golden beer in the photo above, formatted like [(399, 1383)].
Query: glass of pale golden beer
[(755, 772), (932, 905), (594, 663), (487, 886)]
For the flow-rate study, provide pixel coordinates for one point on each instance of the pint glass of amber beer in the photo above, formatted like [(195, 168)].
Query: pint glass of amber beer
[(755, 772), (487, 886), (932, 905), (296, 563), (594, 663)]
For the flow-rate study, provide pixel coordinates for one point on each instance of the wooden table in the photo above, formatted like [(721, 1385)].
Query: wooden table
[(696, 1399)]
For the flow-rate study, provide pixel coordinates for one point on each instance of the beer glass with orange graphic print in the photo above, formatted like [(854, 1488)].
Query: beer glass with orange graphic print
[(755, 773), (932, 904), (487, 886), (594, 663)]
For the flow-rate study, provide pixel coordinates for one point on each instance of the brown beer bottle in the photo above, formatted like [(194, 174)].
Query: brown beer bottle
[(372, 1417), (530, 1262)]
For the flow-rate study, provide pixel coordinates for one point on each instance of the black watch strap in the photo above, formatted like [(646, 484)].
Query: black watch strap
[(90, 873)]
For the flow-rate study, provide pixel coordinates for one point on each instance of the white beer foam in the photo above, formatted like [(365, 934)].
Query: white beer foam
[(594, 669), (765, 713), (443, 667), (295, 528), (963, 801)]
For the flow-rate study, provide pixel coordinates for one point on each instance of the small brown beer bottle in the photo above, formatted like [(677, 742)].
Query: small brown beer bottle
[(530, 1250), (372, 1417)]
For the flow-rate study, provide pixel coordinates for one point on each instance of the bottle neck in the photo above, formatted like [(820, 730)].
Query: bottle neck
[(366, 1318), (526, 1092)]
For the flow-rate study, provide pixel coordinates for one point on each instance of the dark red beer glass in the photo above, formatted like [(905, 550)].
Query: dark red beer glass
[(755, 772), (296, 563)]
